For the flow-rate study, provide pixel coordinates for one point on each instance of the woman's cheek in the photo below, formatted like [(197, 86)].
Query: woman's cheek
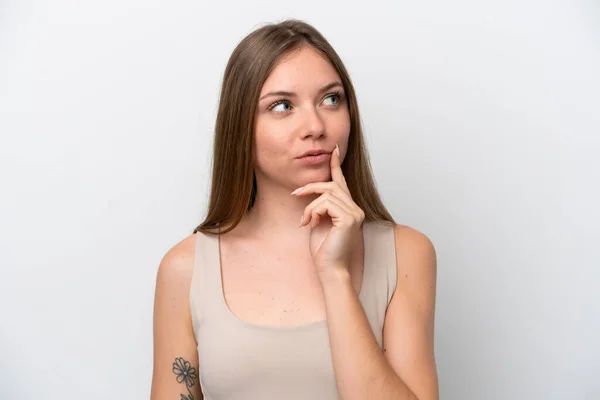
[(271, 146), (342, 129)]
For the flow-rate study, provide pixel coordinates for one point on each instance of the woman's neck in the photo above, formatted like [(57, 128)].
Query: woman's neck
[(277, 212)]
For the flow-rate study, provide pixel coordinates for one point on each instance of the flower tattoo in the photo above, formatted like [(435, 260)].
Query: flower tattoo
[(185, 374)]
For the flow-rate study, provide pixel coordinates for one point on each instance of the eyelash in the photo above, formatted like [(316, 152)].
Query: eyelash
[(339, 94)]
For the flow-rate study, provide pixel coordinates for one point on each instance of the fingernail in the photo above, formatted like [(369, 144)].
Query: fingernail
[(301, 220), (297, 190), (337, 150)]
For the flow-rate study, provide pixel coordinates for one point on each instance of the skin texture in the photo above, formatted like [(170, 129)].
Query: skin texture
[(309, 245)]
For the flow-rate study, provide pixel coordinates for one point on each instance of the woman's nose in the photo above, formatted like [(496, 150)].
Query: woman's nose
[(313, 124)]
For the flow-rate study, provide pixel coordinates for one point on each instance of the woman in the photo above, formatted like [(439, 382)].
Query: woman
[(298, 284)]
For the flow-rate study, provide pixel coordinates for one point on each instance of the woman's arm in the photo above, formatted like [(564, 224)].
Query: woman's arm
[(406, 368), (175, 372)]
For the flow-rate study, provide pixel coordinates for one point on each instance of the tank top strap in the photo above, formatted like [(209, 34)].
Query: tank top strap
[(379, 276), (206, 286), (380, 256)]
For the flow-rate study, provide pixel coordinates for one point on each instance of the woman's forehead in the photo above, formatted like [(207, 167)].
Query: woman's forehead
[(302, 71)]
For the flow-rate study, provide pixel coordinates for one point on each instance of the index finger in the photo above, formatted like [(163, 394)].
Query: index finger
[(336, 169)]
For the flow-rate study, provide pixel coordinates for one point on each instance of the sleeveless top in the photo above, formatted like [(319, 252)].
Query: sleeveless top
[(241, 360)]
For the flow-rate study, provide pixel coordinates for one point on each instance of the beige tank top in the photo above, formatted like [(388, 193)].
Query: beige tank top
[(240, 360)]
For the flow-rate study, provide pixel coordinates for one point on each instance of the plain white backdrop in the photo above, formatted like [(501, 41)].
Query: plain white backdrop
[(483, 124)]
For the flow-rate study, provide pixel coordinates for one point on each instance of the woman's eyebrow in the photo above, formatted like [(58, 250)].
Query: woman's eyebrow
[(292, 94)]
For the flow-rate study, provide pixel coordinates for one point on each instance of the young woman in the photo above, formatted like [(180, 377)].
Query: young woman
[(298, 284)]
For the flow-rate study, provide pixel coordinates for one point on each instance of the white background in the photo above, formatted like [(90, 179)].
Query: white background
[(483, 124)]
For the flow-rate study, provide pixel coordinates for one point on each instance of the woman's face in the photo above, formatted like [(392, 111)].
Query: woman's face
[(312, 115)]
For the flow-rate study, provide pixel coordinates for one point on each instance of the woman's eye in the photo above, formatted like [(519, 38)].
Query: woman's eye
[(335, 97), (281, 107)]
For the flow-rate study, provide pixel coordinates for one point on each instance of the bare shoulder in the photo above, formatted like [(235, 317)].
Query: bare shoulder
[(408, 236), (415, 252), (178, 263)]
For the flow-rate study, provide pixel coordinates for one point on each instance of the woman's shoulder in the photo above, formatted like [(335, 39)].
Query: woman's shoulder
[(412, 237), (415, 251), (177, 264), (408, 232), (404, 234)]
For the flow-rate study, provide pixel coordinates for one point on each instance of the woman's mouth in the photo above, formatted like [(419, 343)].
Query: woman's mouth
[(315, 159)]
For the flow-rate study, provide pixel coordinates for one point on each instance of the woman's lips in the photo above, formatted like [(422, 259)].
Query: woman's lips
[(315, 160)]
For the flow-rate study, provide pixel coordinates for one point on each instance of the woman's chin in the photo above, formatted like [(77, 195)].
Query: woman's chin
[(315, 176)]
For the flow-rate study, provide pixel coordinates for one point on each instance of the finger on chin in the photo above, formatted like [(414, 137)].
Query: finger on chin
[(336, 171)]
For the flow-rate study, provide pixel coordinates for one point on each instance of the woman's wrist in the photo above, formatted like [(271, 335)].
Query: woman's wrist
[(335, 278)]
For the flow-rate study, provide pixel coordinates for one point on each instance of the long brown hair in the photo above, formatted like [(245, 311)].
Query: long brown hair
[(233, 188)]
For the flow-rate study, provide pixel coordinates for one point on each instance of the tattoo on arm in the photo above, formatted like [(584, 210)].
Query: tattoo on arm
[(185, 374)]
